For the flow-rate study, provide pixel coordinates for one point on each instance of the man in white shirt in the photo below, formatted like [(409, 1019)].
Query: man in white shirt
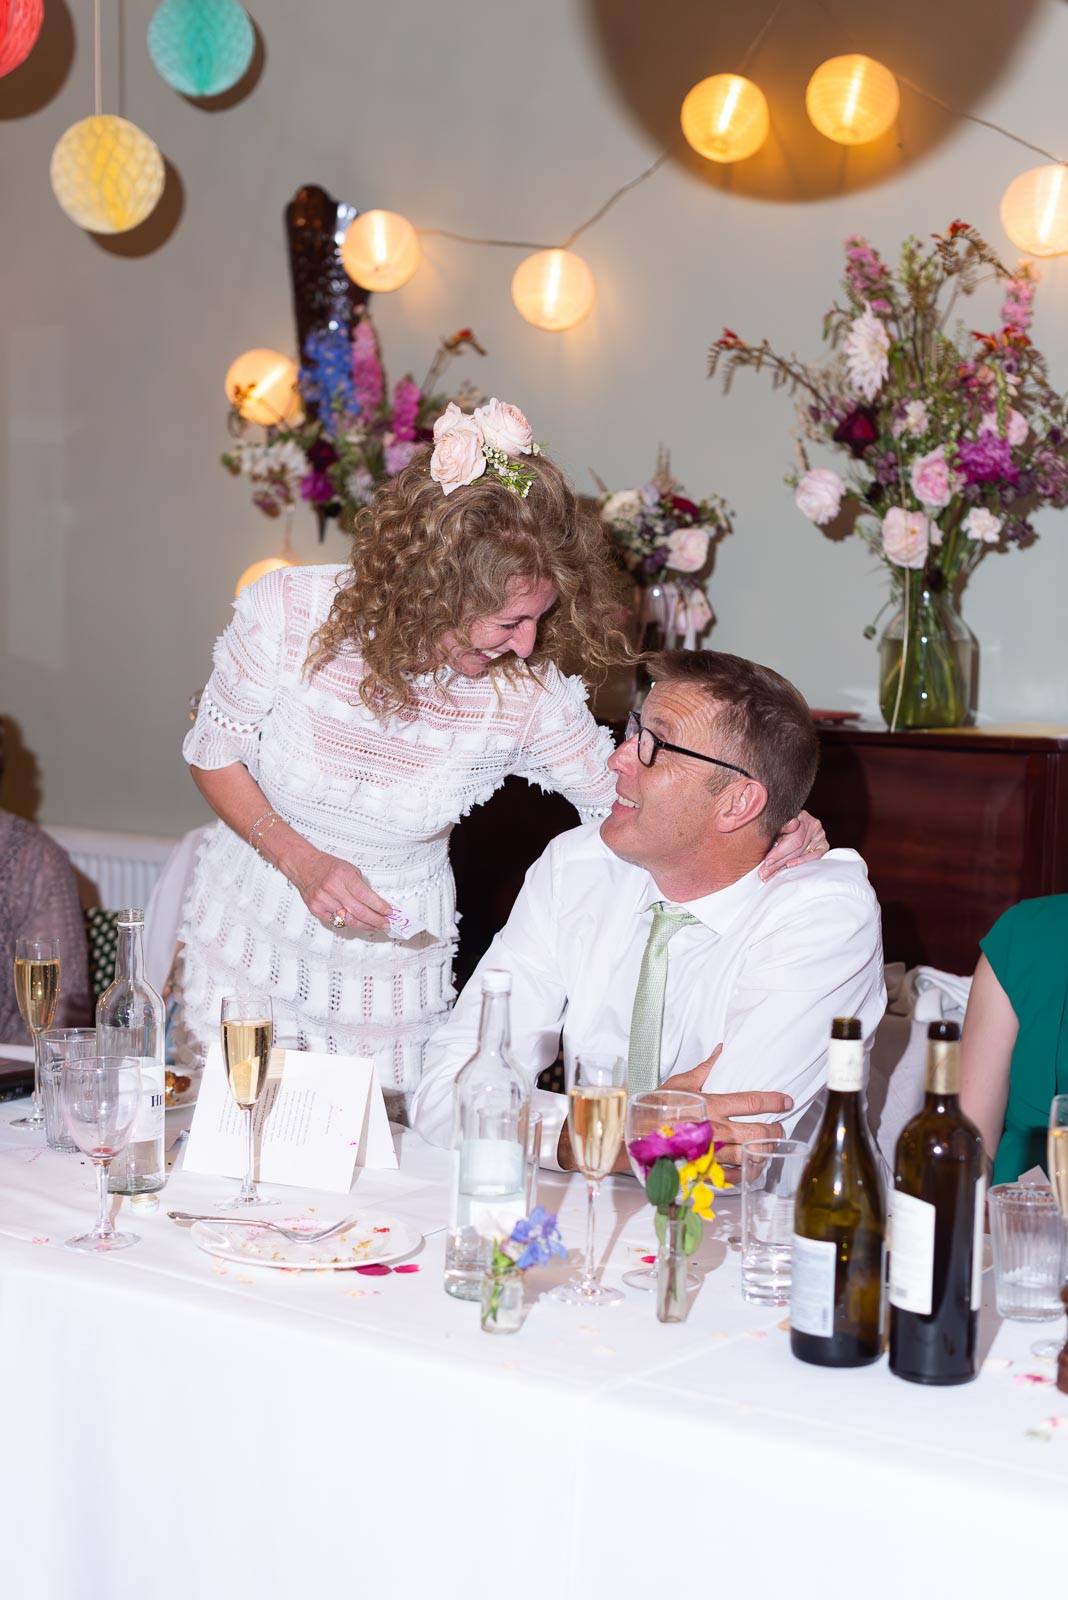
[(724, 754)]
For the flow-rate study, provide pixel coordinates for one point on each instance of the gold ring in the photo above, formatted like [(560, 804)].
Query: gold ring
[(339, 917), (811, 849)]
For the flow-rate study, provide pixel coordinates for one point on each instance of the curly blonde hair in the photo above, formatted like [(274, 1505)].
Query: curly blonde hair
[(425, 564)]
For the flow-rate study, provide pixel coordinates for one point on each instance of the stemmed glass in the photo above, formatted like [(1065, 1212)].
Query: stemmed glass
[(247, 1025), (646, 1112), (1057, 1159), (37, 991), (100, 1099), (596, 1112)]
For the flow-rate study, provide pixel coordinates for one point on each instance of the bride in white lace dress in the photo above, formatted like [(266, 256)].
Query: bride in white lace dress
[(354, 714)]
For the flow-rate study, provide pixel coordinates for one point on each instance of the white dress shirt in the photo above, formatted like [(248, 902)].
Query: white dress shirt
[(764, 971)]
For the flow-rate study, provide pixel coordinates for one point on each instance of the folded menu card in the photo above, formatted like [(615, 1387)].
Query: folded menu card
[(319, 1118)]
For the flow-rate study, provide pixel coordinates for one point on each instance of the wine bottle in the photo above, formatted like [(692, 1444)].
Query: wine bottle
[(491, 1111), (936, 1234), (839, 1248), (130, 1022)]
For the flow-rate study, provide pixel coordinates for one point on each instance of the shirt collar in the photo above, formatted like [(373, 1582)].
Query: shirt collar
[(716, 910)]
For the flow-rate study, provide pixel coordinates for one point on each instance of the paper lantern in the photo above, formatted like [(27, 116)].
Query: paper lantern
[(106, 174), (262, 384), (725, 118), (259, 569), (553, 289), (20, 23), (380, 250), (201, 47), (1034, 211), (852, 99)]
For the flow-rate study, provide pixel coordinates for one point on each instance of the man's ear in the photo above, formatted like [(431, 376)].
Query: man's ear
[(745, 803)]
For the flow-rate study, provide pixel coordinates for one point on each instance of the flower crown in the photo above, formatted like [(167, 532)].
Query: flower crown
[(466, 446)]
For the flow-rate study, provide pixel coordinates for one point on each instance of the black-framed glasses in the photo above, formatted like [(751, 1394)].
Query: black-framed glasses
[(650, 743)]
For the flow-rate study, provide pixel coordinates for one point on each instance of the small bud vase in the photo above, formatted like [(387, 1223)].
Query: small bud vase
[(502, 1302), (672, 1299)]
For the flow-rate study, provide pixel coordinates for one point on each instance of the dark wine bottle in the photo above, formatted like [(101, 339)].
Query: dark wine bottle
[(836, 1300), (936, 1239)]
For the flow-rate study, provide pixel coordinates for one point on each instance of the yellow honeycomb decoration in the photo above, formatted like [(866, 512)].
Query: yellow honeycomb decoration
[(107, 174)]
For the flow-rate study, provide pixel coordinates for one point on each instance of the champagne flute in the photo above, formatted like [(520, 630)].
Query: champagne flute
[(1057, 1160), (100, 1099), (247, 1026), (37, 991), (646, 1112), (597, 1109)]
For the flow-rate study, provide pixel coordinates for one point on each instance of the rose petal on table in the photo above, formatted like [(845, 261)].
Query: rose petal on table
[(650, 1260), (375, 1269), (410, 1266)]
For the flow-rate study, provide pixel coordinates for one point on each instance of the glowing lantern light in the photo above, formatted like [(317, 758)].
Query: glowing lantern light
[(380, 250), (201, 47), (262, 385), (553, 289), (852, 99), (1034, 211), (20, 23), (259, 569), (106, 174), (725, 118)]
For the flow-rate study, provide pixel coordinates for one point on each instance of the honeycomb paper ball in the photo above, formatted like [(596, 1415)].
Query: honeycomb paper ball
[(201, 47), (20, 23), (107, 174)]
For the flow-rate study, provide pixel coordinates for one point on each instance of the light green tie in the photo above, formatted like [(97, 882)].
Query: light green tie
[(647, 1018)]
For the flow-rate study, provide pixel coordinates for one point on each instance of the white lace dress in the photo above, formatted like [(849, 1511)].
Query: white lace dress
[(383, 793)]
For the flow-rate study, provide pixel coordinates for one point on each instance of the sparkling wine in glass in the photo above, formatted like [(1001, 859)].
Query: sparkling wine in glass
[(100, 1099), (247, 1028), (1057, 1160), (646, 1112), (596, 1114), (37, 992)]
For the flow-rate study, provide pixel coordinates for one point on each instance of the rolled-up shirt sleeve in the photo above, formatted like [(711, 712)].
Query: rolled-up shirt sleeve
[(244, 680), (526, 948)]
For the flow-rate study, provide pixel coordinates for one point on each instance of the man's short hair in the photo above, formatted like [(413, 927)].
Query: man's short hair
[(762, 723)]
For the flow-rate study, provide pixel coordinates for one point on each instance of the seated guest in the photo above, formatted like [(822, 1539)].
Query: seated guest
[(739, 1005), (39, 899), (1014, 1045)]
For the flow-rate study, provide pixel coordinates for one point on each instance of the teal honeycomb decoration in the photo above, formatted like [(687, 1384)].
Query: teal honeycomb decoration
[(201, 47)]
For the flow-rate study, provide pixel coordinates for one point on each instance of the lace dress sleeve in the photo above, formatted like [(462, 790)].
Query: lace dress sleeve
[(566, 750), (244, 680)]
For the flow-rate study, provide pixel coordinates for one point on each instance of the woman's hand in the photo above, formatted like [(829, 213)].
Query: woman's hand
[(332, 888), (799, 841)]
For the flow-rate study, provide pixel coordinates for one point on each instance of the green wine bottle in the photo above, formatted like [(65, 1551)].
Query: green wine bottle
[(836, 1300), (936, 1241)]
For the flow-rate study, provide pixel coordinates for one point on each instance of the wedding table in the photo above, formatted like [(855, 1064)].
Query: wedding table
[(175, 1426)]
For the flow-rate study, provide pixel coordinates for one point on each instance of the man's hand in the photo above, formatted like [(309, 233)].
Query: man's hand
[(721, 1108)]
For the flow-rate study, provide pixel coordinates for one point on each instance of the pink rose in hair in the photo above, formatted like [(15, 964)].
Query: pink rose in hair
[(687, 549), (906, 537), (504, 427), (931, 479), (458, 457)]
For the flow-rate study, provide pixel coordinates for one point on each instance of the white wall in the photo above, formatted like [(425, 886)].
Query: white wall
[(121, 537)]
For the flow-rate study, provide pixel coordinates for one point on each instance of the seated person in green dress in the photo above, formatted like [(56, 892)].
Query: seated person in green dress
[(1014, 1050)]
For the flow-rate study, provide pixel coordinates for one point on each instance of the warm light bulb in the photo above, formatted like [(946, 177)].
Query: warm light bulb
[(725, 118), (106, 174), (262, 386), (259, 569), (380, 250), (1034, 211), (553, 289), (852, 99)]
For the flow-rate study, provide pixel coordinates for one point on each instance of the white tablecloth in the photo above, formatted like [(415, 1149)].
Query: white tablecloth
[(174, 1426)]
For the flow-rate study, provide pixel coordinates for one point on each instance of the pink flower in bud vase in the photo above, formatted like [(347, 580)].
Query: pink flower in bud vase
[(906, 538)]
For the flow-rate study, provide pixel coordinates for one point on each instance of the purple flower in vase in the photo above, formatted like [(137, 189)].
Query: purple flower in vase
[(686, 1142), (317, 488), (366, 368), (406, 398), (650, 565), (321, 455), (986, 459), (398, 453), (857, 431)]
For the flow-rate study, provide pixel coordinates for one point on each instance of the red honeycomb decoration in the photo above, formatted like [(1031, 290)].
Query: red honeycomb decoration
[(20, 23)]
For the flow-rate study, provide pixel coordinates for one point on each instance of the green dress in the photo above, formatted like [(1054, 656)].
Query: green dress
[(1028, 950)]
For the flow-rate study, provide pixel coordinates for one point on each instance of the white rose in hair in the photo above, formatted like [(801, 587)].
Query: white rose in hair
[(504, 427), (687, 549), (818, 496), (453, 420), (458, 458)]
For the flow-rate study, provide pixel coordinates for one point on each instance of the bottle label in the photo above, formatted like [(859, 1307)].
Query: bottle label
[(977, 1243), (912, 1249), (845, 1065), (812, 1286), (149, 1124)]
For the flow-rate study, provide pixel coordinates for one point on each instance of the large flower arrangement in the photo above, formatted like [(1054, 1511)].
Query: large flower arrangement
[(355, 433), (953, 439), (665, 539)]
